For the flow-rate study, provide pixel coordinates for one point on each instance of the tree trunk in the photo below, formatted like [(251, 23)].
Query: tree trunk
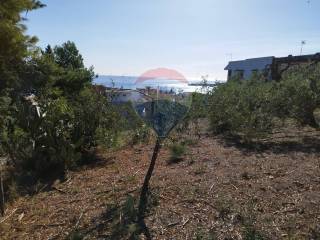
[(145, 189)]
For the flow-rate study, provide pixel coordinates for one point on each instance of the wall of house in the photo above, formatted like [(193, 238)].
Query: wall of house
[(249, 66), (248, 73)]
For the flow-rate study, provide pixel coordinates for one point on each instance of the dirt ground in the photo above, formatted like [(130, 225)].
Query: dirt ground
[(221, 190)]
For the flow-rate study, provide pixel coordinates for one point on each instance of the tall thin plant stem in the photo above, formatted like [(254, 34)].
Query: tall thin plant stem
[(145, 189)]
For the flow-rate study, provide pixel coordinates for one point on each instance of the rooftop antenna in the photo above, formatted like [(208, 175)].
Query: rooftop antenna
[(303, 42), (230, 55)]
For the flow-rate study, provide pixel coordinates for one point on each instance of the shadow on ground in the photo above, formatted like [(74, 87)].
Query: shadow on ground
[(117, 221), (275, 145)]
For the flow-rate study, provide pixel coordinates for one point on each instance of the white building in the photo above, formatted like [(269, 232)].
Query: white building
[(125, 95), (270, 67), (244, 69)]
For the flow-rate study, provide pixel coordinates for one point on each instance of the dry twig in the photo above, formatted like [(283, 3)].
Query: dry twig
[(7, 217)]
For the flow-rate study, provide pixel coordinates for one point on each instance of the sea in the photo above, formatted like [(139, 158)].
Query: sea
[(129, 82)]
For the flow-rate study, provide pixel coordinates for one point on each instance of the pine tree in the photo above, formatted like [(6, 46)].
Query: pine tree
[(15, 45), (68, 56)]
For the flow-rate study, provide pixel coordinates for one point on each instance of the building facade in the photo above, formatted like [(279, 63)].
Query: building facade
[(269, 67)]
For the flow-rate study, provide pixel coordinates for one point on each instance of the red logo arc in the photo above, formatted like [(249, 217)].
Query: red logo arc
[(162, 73)]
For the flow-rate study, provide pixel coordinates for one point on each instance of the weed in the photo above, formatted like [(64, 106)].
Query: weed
[(120, 218), (192, 193), (246, 176), (76, 236), (191, 160), (290, 228), (153, 198), (189, 142), (131, 179), (5, 230), (76, 190), (176, 153), (315, 233), (251, 233), (224, 207), (141, 135), (13, 191), (201, 234), (200, 170), (128, 209), (123, 218)]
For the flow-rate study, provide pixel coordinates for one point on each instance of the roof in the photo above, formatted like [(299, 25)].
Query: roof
[(252, 63), (302, 58), (119, 90)]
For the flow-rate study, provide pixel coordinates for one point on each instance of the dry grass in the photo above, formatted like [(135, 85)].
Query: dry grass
[(222, 190)]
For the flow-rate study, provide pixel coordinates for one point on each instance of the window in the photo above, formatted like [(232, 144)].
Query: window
[(240, 74), (255, 71)]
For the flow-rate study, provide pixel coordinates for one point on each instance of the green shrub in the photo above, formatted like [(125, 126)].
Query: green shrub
[(42, 146), (54, 129), (198, 109), (129, 119), (177, 151), (248, 108), (141, 135), (297, 95), (241, 108), (106, 138)]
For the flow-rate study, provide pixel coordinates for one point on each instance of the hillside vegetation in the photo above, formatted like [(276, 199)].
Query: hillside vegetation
[(243, 163)]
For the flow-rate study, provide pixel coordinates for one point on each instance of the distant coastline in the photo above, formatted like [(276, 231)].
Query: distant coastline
[(129, 82)]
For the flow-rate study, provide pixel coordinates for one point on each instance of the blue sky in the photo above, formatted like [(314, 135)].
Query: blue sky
[(194, 37)]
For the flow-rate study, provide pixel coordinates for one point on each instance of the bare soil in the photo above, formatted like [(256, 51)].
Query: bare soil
[(221, 190)]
